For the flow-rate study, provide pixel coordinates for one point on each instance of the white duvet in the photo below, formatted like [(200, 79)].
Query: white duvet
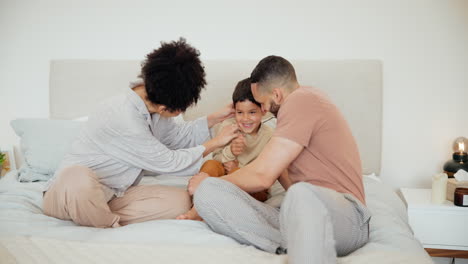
[(28, 236)]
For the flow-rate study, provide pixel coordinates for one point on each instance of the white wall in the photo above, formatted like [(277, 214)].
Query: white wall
[(423, 45)]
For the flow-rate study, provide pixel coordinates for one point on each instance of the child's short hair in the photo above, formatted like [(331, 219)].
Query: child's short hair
[(243, 92)]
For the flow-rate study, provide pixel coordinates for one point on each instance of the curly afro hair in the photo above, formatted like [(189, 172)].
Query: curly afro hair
[(174, 75)]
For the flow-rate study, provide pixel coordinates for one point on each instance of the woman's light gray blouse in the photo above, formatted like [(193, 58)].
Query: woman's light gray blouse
[(121, 140)]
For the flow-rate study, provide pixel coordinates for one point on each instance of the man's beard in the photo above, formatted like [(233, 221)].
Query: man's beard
[(274, 108)]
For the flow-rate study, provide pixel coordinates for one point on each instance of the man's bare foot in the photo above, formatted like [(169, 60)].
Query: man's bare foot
[(190, 215)]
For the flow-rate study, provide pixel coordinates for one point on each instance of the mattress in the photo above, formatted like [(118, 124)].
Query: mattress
[(29, 236)]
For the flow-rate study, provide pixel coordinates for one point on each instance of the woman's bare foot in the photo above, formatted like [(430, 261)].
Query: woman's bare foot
[(190, 215)]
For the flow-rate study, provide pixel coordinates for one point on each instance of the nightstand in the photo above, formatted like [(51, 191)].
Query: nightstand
[(441, 228)]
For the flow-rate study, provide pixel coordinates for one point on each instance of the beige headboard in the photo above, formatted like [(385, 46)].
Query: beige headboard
[(77, 86)]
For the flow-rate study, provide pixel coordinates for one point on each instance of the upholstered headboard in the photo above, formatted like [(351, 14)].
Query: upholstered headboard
[(77, 86)]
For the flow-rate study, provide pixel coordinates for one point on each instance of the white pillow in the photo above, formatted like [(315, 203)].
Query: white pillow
[(81, 118), (43, 144)]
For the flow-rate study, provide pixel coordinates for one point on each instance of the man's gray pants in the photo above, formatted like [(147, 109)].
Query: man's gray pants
[(314, 224)]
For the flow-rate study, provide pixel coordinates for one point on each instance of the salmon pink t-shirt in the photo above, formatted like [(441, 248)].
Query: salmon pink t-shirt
[(330, 157)]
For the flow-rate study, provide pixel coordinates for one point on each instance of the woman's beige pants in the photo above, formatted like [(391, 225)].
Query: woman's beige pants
[(77, 195)]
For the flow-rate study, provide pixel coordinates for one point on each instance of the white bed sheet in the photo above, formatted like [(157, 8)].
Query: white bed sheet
[(25, 231)]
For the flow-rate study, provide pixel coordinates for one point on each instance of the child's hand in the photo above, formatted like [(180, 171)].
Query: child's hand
[(230, 166), (238, 145)]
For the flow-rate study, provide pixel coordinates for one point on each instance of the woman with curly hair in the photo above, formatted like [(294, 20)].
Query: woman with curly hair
[(133, 133)]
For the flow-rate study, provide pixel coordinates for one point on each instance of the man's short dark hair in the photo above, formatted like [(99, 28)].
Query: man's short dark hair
[(273, 70), (242, 92), (174, 75)]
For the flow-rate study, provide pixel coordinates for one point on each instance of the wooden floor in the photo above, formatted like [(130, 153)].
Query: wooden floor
[(446, 253)]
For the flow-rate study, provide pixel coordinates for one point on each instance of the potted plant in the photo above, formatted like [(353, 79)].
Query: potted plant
[(2, 159)]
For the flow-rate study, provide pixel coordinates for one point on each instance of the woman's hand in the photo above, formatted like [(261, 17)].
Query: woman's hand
[(223, 138), (230, 166), (227, 134), (221, 115)]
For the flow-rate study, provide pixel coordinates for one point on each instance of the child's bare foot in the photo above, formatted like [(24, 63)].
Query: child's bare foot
[(190, 215)]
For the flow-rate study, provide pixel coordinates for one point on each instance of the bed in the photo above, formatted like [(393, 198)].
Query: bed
[(28, 236)]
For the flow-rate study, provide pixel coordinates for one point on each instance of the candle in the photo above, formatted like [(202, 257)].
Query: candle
[(461, 197), (439, 188)]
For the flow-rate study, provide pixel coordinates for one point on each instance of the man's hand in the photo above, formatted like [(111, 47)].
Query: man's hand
[(221, 115), (230, 166), (238, 145), (195, 181)]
